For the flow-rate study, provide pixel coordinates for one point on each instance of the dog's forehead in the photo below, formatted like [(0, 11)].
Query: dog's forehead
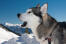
[(29, 10), (35, 9)]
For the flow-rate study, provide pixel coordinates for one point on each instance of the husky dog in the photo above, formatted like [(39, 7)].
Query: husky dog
[(43, 25)]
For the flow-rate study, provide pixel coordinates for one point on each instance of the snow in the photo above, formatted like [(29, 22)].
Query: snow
[(9, 24), (5, 35), (24, 39)]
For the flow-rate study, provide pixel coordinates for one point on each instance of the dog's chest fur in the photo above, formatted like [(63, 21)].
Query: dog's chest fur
[(43, 30)]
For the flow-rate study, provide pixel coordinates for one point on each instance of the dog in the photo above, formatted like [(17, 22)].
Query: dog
[(43, 25)]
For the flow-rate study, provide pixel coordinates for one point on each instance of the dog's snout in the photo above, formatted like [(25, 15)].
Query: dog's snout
[(18, 15)]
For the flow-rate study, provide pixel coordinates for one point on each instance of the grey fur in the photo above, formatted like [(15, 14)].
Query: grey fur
[(50, 27), (36, 11), (57, 35)]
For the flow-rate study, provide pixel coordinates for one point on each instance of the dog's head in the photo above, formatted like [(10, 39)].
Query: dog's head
[(33, 16)]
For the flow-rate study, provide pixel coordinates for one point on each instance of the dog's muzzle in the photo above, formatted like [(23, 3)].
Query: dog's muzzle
[(25, 23)]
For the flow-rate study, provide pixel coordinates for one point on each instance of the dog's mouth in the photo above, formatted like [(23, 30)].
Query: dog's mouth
[(24, 24)]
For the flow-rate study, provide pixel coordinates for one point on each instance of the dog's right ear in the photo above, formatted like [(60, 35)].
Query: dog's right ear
[(44, 8)]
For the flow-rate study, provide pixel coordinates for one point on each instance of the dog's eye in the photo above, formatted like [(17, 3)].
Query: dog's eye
[(29, 12)]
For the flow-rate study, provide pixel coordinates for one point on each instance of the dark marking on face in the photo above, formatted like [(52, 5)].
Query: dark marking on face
[(36, 11)]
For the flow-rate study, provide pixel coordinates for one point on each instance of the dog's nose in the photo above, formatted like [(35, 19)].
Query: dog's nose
[(18, 15)]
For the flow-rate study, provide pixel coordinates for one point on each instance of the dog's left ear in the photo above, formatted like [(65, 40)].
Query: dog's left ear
[(44, 8)]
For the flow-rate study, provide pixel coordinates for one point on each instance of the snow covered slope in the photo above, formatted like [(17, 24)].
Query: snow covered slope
[(24, 39), (6, 35), (9, 24), (9, 34), (16, 28)]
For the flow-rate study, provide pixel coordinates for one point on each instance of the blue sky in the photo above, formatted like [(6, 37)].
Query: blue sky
[(10, 8)]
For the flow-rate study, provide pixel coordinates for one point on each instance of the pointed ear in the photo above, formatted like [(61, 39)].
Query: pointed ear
[(44, 8), (45, 17), (38, 5)]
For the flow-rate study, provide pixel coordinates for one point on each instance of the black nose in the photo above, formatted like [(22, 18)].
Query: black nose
[(18, 15)]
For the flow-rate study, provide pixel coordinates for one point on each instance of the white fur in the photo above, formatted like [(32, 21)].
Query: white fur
[(33, 21)]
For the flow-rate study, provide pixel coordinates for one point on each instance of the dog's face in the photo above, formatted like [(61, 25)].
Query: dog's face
[(33, 16)]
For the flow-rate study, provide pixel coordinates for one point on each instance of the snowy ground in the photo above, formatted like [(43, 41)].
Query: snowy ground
[(24, 39), (7, 37)]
